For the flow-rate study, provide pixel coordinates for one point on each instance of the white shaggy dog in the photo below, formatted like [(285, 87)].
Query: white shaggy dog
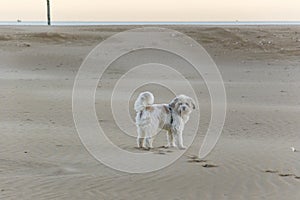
[(151, 118)]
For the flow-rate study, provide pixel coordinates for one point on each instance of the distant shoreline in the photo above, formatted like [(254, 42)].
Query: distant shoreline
[(91, 23)]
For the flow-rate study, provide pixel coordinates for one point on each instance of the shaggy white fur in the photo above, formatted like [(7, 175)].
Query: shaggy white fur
[(151, 118)]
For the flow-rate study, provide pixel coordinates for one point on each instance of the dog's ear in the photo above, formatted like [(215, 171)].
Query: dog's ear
[(173, 102)]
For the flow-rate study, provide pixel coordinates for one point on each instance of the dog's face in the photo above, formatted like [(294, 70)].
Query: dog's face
[(183, 105)]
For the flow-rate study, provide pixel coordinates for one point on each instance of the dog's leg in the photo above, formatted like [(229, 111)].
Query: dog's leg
[(151, 142), (148, 139), (148, 142), (169, 135), (170, 139), (179, 140), (173, 143), (140, 137)]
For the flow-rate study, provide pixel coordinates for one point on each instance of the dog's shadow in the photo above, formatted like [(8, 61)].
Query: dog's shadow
[(162, 150)]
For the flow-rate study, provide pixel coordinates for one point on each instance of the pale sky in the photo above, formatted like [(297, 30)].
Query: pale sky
[(151, 10)]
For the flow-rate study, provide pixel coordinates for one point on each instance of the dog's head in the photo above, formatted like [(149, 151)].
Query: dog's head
[(183, 105)]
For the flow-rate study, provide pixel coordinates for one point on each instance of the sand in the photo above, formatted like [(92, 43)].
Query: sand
[(42, 157)]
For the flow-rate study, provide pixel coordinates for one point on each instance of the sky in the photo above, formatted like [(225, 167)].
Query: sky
[(151, 10)]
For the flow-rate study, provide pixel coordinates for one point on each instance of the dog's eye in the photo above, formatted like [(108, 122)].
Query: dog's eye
[(187, 104), (180, 104)]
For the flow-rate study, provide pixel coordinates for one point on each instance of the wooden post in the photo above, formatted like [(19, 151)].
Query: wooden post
[(48, 12)]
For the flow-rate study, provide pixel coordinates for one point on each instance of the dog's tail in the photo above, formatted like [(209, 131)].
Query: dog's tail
[(144, 99)]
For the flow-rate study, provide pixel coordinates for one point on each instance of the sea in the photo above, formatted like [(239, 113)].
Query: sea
[(95, 23)]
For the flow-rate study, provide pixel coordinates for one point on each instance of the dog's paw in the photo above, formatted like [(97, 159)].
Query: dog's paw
[(182, 147), (168, 146), (146, 148)]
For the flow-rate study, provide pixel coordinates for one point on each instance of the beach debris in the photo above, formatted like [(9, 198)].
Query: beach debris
[(293, 149), (263, 42)]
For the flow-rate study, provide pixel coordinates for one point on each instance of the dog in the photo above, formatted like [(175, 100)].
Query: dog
[(151, 118)]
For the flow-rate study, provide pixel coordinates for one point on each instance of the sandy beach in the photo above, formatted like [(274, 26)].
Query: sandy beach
[(42, 157)]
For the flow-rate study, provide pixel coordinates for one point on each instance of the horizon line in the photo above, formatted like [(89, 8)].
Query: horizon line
[(74, 22)]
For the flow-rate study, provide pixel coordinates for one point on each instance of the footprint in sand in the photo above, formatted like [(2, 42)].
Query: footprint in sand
[(162, 150), (196, 159), (155, 150), (285, 175), (142, 148), (282, 174), (209, 165), (271, 171)]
